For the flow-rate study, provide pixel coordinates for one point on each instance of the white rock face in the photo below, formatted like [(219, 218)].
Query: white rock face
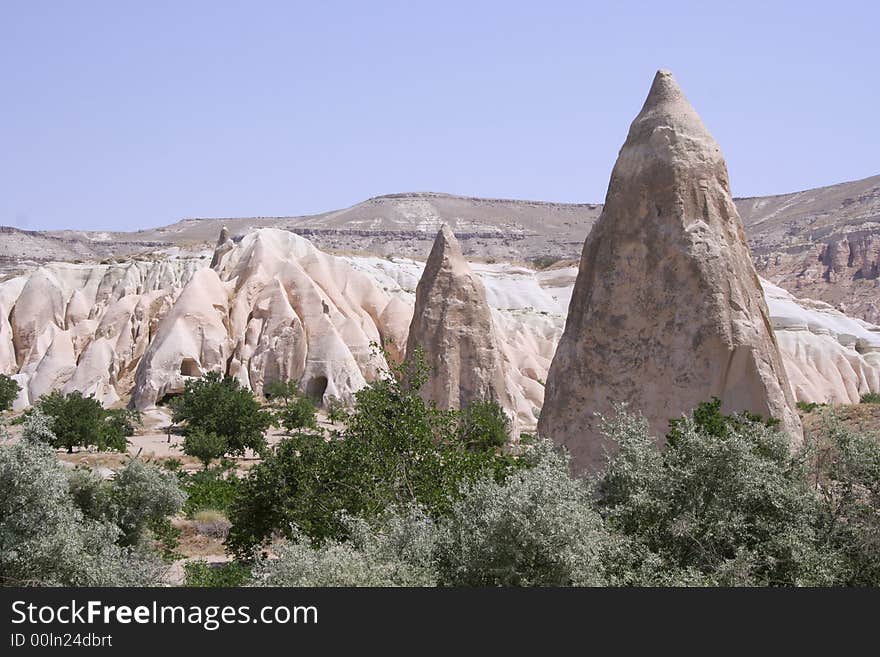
[(829, 357), (667, 310), (84, 327), (272, 308), (259, 315)]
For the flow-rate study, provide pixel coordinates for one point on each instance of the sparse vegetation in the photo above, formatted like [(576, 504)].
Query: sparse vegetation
[(870, 398), (808, 407)]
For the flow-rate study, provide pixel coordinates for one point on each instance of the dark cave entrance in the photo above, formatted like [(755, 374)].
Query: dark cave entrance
[(316, 388), (189, 367)]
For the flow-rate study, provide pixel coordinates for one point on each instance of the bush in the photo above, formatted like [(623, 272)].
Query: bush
[(808, 407), (209, 489), (336, 411), (77, 421), (724, 503), (221, 406), (396, 552), (870, 398), (201, 573), (204, 446), (845, 470), (9, 390), (298, 412), (47, 540), (484, 426), (139, 498), (538, 528)]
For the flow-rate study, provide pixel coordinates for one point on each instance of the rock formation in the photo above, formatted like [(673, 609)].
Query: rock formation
[(829, 357), (667, 310), (275, 307), (452, 323)]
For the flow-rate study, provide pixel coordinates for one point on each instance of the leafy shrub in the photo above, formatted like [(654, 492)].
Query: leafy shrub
[(9, 390), (538, 528), (298, 412), (209, 489), (870, 398), (201, 573), (77, 421), (204, 446), (336, 411), (140, 497), (484, 426), (397, 552), (808, 407), (47, 540), (221, 406), (723, 504), (845, 470)]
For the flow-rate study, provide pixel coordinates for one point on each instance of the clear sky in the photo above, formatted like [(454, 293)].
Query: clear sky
[(124, 115)]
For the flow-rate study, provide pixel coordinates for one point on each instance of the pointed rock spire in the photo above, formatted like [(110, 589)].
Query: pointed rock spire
[(224, 246), (667, 310), (453, 325)]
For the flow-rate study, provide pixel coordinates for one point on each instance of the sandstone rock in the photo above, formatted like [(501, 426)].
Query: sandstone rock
[(452, 322), (224, 246), (667, 310)]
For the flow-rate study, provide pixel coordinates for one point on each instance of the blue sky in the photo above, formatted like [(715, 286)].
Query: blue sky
[(124, 115)]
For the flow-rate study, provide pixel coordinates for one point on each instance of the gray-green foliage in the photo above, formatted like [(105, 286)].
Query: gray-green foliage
[(538, 528), (45, 539), (724, 503), (395, 552), (845, 469), (37, 428), (140, 497)]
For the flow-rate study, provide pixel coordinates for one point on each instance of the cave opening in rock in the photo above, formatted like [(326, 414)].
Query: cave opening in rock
[(189, 367), (316, 388)]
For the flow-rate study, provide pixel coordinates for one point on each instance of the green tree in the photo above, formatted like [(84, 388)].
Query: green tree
[(78, 421), (297, 412), (221, 406), (204, 446), (9, 390), (396, 449)]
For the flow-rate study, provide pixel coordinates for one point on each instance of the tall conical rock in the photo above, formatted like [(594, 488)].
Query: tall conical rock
[(452, 323), (667, 309)]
